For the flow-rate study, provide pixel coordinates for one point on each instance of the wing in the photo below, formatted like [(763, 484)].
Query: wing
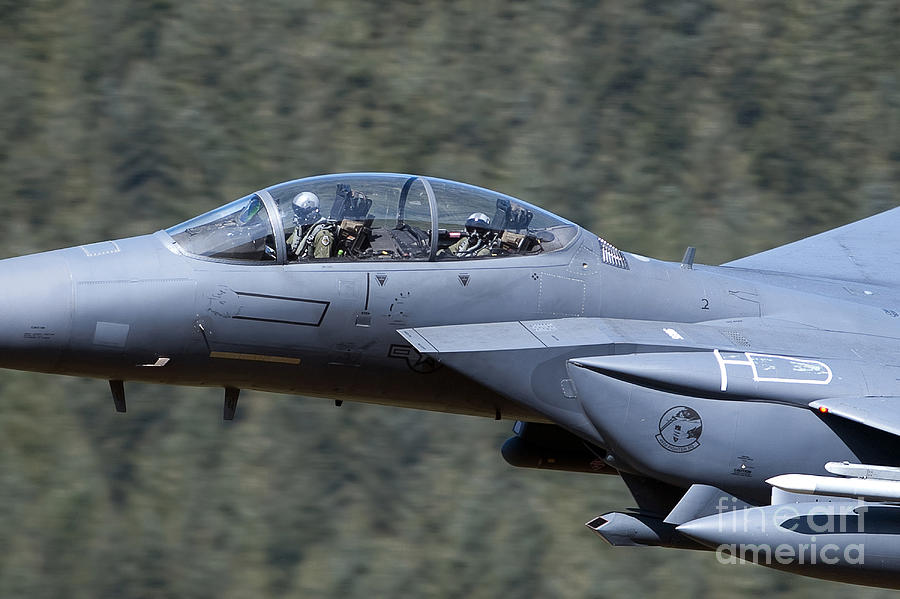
[(525, 361), (877, 412), (865, 251), (624, 336)]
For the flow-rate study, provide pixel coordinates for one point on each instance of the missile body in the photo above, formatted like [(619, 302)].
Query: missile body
[(863, 470), (871, 489)]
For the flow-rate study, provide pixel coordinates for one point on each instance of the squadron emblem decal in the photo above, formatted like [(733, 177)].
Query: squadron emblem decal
[(679, 429)]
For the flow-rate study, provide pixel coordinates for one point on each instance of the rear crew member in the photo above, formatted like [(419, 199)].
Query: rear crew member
[(478, 240)]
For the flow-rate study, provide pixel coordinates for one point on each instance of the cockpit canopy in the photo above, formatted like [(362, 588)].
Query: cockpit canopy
[(354, 217)]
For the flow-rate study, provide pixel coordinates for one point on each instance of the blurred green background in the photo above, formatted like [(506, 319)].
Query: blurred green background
[(732, 126)]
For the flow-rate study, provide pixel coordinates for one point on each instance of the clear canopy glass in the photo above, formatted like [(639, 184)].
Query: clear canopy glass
[(372, 217), (383, 217), (241, 230)]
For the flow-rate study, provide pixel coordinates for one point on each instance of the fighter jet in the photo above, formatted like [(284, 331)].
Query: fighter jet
[(750, 408)]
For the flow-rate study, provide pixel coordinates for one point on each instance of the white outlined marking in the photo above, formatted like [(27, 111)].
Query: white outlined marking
[(722, 369), (808, 366), (797, 365), (103, 248)]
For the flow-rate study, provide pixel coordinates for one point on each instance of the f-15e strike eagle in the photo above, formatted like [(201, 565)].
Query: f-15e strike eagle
[(750, 408)]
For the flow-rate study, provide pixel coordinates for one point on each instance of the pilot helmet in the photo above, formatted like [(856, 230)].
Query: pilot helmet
[(478, 222), (306, 207)]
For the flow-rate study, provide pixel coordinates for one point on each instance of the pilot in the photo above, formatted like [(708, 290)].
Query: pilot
[(313, 236), (477, 242)]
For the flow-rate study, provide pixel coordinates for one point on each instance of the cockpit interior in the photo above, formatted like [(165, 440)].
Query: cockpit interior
[(371, 217)]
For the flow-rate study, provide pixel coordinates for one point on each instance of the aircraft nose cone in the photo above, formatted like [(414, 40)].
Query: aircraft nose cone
[(35, 311)]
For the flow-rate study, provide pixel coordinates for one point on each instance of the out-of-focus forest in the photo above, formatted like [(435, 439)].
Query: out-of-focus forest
[(732, 126)]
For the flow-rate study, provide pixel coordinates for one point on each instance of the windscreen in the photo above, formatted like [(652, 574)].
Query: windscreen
[(238, 231)]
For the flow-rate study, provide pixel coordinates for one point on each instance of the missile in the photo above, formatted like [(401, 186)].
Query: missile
[(863, 470), (726, 374), (871, 489)]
